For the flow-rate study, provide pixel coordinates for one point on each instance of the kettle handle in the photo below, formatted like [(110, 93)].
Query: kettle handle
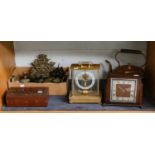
[(110, 65), (129, 51)]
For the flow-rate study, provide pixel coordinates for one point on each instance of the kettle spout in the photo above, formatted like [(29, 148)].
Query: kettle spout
[(110, 65)]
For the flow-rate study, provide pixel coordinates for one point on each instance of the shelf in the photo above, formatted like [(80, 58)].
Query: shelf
[(60, 103)]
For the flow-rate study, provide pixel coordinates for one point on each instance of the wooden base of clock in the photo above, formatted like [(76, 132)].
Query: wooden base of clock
[(140, 105), (84, 99)]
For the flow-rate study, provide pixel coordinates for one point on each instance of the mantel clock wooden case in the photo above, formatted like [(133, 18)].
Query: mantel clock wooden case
[(85, 83), (124, 85)]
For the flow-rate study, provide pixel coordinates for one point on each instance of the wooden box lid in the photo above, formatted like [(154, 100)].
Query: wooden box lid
[(14, 91)]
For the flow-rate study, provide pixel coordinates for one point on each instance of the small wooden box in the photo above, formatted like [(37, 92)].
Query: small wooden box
[(27, 97), (54, 88)]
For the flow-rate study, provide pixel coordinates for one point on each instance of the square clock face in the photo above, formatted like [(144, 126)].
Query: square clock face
[(123, 90)]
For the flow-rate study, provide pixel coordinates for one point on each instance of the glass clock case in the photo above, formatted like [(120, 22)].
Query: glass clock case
[(85, 83)]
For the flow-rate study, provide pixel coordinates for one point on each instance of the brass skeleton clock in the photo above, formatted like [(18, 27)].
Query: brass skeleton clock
[(85, 83), (124, 85)]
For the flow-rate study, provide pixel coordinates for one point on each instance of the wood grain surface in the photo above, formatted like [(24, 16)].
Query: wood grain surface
[(7, 64), (150, 68)]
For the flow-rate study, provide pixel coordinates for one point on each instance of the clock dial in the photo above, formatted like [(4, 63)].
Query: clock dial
[(123, 90), (85, 80)]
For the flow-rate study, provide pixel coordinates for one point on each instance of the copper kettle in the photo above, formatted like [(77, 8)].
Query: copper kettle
[(127, 70)]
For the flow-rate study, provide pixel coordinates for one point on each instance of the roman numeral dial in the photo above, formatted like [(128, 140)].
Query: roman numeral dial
[(123, 90)]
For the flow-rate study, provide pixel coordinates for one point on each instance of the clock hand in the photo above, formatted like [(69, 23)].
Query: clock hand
[(121, 89), (127, 90)]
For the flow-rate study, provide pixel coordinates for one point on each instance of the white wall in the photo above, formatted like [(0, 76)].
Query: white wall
[(66, 53)]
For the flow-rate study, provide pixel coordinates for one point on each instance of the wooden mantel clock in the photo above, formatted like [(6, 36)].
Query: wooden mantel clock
[(124, 85)]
